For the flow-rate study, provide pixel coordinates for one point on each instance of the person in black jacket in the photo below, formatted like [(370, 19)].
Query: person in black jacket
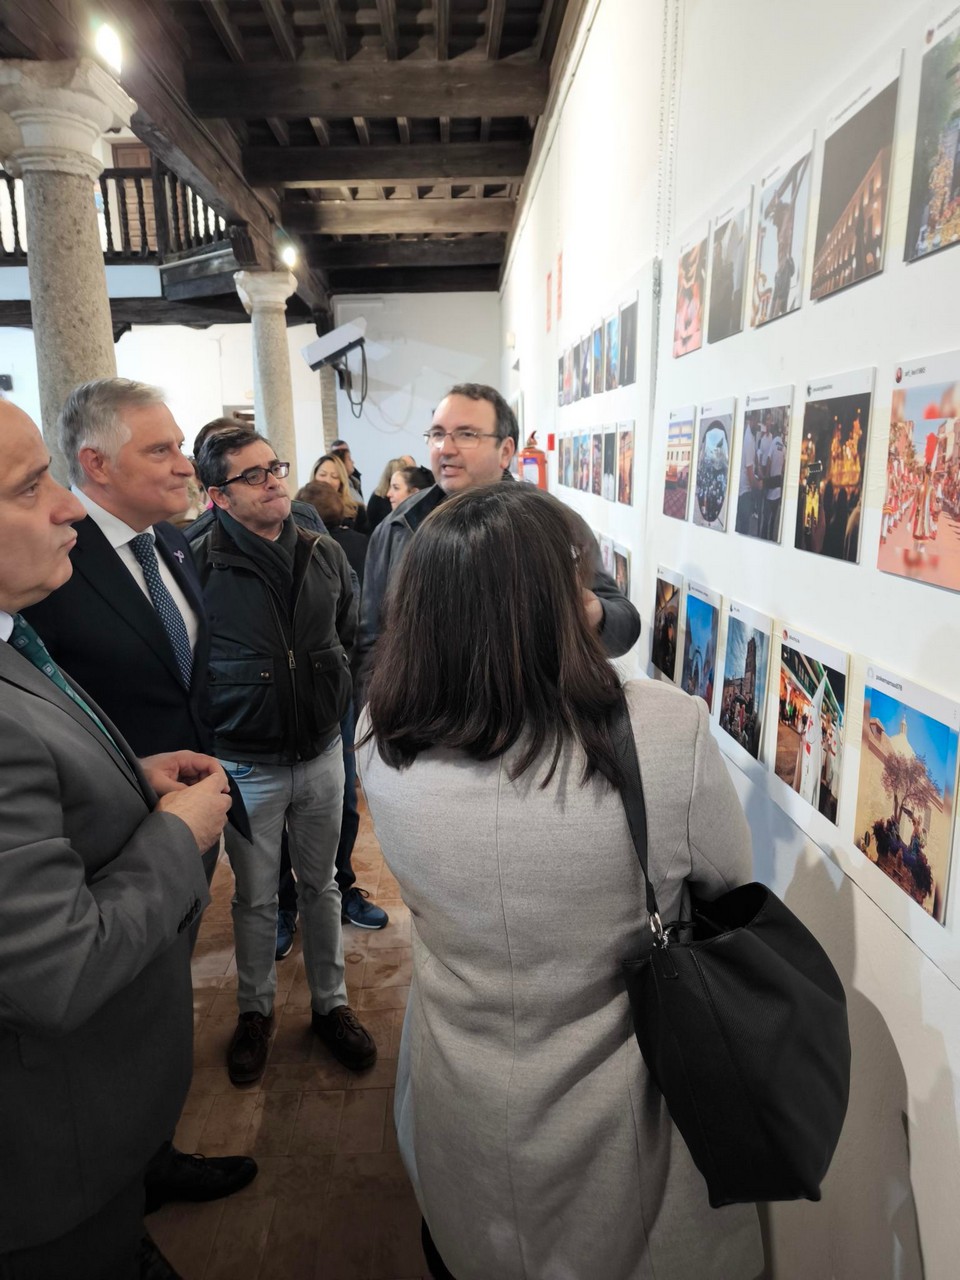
[(282, 616)]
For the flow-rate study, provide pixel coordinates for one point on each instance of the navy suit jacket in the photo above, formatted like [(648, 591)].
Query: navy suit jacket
[(105, 634)]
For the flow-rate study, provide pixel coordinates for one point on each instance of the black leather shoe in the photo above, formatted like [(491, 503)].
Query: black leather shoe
[(153, 1265), (347, 1040), (186, 1177), (247, 1055)]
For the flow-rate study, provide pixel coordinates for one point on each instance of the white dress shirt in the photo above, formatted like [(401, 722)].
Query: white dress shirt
[(6, 626), (120, 535)]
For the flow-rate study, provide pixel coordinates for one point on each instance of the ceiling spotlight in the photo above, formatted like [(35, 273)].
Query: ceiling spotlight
[(107, 44)]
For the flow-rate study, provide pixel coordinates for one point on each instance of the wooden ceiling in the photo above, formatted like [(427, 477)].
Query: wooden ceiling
[(387, 138)]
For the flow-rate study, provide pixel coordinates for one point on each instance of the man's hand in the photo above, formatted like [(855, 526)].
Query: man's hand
[(176, 770), (202, 806), (593, 609)]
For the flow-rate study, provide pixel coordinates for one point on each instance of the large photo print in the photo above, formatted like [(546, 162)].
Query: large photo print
[(812, 711)]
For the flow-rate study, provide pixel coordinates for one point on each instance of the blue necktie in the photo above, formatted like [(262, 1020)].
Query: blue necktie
[(165, 605), (26, 641)]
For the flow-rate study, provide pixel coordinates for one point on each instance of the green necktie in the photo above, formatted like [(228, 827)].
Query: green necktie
[(26, 641)]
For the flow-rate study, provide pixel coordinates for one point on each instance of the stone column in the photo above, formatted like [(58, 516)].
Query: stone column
[(328, 406), (52, 115), (264, 294)]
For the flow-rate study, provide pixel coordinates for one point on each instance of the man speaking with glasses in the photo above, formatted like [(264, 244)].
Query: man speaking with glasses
[(282, 616), (472, 439)]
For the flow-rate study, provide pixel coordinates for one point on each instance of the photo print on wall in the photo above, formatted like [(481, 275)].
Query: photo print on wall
[(933, 216), (621, 567), (609, 487), (627, 374), (598, 360), (763, 460), (596, 467), (908, 778), (691, 296), (625, 434), (920, 526), (702, 624), (583, 462), (606, 553), (611, 353), (812, 710), (782, 207), (746, 666), (586, 366), (833, 455), (855, 187), (676, 478), (576, 372), (728, 271), (568, 376), (569, 462), (712, 476), (666, 622)]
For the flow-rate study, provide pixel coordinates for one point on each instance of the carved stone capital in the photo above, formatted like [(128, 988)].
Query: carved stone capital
[(264, 290), (52, 115)]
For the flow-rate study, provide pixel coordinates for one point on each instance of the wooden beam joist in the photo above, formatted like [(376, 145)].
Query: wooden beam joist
[(338, 90), (470, 251), (424, 163), (413, 280), (397, 217)]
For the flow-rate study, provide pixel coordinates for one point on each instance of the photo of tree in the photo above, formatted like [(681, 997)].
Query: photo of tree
[(905, 797)]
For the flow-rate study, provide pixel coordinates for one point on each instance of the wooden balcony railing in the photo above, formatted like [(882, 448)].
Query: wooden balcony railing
[(144, 216)]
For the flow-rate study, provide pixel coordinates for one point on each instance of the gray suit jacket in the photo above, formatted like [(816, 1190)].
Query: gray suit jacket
[(96, 896)]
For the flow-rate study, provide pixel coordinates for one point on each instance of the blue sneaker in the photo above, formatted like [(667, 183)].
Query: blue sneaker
[(359, 911), (286, 928)]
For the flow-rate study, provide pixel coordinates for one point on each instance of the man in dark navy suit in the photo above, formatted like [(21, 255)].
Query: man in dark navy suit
[(129, 627)]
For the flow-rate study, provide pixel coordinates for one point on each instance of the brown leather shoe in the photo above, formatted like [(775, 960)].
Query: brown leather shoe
[(347, 1040), (247, 1055)]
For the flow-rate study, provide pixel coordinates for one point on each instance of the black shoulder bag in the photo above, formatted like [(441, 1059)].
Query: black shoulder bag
[(742, 1022)]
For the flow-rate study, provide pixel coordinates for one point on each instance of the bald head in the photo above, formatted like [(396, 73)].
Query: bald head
[(36, 515)]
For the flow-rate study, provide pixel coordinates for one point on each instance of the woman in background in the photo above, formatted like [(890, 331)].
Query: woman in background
[(538, 1147), (330, 470), (379, 505), (407, 481)]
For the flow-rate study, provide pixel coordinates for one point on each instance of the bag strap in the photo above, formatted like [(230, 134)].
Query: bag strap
[(634, 805)]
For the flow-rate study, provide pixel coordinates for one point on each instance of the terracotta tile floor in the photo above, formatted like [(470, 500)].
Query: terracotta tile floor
[(331, 1201)]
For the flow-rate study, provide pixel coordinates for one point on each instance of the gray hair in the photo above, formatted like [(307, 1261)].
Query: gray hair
[(90, 419)]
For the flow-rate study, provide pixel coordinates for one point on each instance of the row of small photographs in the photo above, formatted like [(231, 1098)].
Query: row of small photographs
[(602, 361), (904, 816), (598, 461), (852, 216), (615, 558), (920, 529)]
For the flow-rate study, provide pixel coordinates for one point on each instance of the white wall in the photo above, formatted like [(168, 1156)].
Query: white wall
[(749, 76), (418, 345)]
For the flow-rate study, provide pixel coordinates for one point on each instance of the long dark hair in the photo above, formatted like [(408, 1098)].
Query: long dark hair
[(485, 639)]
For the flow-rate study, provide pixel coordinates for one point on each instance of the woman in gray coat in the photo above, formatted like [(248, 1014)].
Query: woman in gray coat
[(538, 1147)]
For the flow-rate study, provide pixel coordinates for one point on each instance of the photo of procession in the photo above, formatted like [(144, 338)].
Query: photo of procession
[(745, 668), (700, 644), (920, 527), (812, 704), (908, 773), (781, 241), (832, 463), (933, 218), (763, 458)]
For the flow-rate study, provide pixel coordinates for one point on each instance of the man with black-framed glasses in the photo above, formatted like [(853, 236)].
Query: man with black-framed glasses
[(472, 439), (282, 616)]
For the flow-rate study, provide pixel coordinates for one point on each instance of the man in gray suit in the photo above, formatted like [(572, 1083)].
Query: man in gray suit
[(100, 879)]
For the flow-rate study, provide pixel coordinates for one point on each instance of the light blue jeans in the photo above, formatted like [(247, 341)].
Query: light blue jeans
[(309, 798)]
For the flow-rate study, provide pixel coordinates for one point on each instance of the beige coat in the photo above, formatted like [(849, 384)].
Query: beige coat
[(537, 1145)]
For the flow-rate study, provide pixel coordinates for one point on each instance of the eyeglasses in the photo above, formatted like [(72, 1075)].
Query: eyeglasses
[(258, 475), (462, 437)]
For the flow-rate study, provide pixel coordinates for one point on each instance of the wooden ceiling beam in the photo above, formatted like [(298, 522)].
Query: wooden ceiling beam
[(387, 9), (426, 164), (466, 251), (333, 90), (496, 12), (337, 35), (283, 32), (416, 280), (442, 27), (396, 217)]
